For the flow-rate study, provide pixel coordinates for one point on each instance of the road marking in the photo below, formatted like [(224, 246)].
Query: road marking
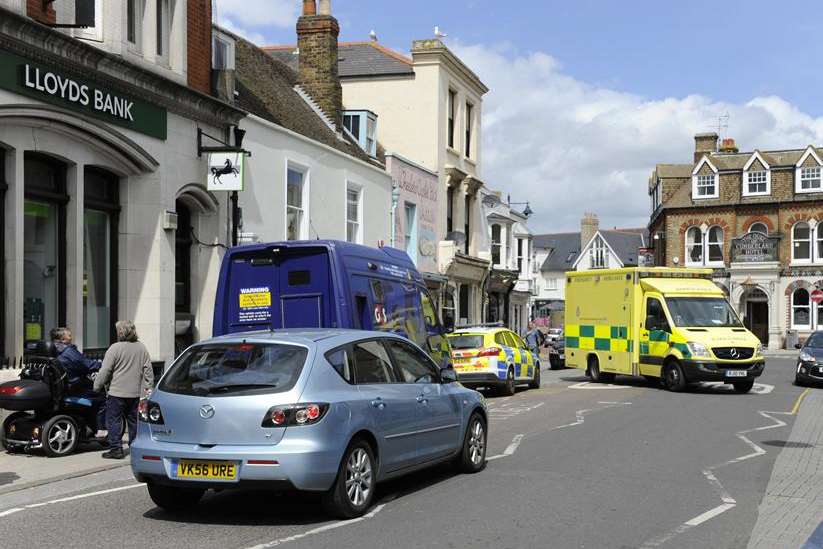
[(324, 528), (510, 449), (70, 498), (758, 388), (590, 385), (799, 401), (728, 501)]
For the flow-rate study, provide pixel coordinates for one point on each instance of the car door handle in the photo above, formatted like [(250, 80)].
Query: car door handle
[(378, 403), (422, 399)]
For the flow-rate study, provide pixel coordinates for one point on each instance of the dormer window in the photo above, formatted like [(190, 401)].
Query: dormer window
[(706, 186), (362, 126), (705, 180), (807, 173), (810, 178), (757, 179)]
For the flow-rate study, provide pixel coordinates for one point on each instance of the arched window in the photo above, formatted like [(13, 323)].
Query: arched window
[(694, 246), (759, 228), (801, 313), (715, 242), (496, 244), (801, 242)]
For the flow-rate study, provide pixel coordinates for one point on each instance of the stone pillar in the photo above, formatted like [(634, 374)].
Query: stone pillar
[(74, 252), (775, 333), (13, 262)]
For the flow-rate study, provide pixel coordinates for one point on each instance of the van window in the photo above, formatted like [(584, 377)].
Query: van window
[(397, 309), (429, 314), (371, 363), (655, 316), (299, 278)]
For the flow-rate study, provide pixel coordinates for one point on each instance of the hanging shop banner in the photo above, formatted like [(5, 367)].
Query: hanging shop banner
[(226, 171), (75, 93)]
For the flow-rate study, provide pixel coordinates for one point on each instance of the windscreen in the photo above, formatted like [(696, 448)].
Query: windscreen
[(236, 369), (466, 341), (815, 341), (702, 312)]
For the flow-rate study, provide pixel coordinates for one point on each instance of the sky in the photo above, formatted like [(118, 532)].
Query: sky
[(588, 95)]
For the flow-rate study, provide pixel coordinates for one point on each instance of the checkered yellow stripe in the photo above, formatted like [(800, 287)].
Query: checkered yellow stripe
[(598, 337)]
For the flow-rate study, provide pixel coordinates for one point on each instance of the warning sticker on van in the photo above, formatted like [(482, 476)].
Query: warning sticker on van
[(255, 304)]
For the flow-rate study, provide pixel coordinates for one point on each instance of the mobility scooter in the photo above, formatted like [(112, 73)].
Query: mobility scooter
[(47, 414)]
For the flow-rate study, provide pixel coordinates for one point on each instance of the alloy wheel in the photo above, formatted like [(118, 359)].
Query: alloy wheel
[(61, 436), (358, 477), (477, 442)]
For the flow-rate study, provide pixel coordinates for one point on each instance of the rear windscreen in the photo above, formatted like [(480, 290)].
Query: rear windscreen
[(241, 368), (466, 341)]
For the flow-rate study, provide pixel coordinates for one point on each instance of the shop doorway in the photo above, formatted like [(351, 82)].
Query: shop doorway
[(756, 307)]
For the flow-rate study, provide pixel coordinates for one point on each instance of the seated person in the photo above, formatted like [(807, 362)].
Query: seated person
[(78, 368)]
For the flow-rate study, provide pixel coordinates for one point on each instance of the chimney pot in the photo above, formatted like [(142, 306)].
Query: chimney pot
[(309, 7), (325, 7), (728, 146)]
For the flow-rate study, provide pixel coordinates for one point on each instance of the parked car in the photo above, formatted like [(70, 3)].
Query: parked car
[(810, 361), (554, 334), (557, 354), (493, 357), (329, 411)]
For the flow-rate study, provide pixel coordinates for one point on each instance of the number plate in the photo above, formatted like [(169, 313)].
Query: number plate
[(206, 470), (736, 373)]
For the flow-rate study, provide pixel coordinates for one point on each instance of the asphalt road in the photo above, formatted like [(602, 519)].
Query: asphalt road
[(580, 466)]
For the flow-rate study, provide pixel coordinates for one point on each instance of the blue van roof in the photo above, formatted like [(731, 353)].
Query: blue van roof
[(336, 246)]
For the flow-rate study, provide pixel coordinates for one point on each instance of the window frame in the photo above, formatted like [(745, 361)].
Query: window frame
[(379, 341), (163, 12), (799, 169), (469, 121), (497, 245), (751, 228), (137, 13), (410, 241), (810, 240), (707, 247), (665, 317), (597, 253), (688, 246), (304, 198), (230, 51), (346, 348), (698, 185), (819, 178), (808, 306), (358, 189), (451, 119), (415, 352)]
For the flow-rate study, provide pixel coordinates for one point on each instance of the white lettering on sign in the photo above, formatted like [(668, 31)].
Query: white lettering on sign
[(74, 92)]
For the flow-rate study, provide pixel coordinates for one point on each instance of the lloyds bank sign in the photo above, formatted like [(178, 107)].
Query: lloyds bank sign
[(53, 86)]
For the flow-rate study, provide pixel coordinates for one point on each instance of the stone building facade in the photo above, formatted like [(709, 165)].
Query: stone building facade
[(754, 218)]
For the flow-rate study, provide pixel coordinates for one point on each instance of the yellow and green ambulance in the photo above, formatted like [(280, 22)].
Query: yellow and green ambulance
[(669, 325)]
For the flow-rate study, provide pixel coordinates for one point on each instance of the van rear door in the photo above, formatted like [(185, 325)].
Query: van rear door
[(305, 290)]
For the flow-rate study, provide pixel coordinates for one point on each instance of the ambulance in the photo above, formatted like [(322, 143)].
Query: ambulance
[(673, 326)]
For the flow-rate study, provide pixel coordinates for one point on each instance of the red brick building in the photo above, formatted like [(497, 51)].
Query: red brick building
[(755, 217)]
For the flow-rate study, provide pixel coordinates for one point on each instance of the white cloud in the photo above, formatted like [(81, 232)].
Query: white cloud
[(571, 147), (250, 18)]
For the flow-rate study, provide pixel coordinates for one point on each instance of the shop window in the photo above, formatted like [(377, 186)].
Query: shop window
[(801, 242), (801, 311), (100, 218), (182, 259), (44, 246)]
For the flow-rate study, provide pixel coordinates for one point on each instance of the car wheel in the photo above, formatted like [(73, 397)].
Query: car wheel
[(743, 386), (799, 382), (510, 387), (673, 378), (353, 489), (174, 499), (5, 428), (60, 436), (595, 373), (472, 457), (535, 383)]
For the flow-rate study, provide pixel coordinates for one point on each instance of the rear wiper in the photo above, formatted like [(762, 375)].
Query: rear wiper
[(240, 387)]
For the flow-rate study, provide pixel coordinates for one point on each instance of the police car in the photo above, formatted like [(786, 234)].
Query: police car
[(492, 356)]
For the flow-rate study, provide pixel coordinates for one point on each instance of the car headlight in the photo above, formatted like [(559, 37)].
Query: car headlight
[(760, 349), (806, 357), (698, 350)]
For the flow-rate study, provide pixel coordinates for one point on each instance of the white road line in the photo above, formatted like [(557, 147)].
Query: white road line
[(728, 501), (70, 498), (510, 449), (321, 529)]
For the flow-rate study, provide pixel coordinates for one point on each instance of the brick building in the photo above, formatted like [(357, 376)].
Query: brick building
[(755, 218)]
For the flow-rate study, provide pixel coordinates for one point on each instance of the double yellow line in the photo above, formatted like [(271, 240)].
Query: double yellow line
[(799, 401)]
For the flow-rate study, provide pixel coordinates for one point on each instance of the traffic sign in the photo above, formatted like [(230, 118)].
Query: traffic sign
[(817, 296)]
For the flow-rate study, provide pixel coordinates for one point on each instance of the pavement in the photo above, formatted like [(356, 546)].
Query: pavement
[(572, 464)]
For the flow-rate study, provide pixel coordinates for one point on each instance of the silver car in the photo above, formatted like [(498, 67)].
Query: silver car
[(330, 411)]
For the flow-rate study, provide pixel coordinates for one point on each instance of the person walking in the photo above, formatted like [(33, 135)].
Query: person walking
[(128, 373), (534, 338)]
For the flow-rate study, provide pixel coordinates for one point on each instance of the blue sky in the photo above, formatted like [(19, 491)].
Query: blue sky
[(591, 94)]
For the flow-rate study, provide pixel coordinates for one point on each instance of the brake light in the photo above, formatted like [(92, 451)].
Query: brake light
[(150, 412), (10, 390), (295, 415), (151, 458), (489, 351)]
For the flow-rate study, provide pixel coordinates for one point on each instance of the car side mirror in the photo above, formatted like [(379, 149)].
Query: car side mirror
[(798, 346), (448, 375)]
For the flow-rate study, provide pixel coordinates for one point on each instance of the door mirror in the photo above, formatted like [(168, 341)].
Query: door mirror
[(798, 346), (448, 375), (651, 323)]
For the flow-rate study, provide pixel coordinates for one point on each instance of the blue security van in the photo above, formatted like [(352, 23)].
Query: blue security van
[(327, 284)]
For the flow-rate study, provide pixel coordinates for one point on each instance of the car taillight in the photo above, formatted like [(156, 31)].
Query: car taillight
[(489, 351), (10, 390), (150, 412), (295, 415)]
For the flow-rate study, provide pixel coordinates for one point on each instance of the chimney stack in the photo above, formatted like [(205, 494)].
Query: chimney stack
[(317, 35), (589, 226), (704, 143)]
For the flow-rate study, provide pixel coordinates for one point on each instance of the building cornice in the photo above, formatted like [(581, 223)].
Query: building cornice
[(29, 39), (434, 51)]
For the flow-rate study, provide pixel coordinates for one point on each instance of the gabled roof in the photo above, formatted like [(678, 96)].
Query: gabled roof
[(704, 160), (267, 88), (565, 247), (355, 59)]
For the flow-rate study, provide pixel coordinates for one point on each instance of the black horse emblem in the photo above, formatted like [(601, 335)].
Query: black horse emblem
[(226, 169)]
